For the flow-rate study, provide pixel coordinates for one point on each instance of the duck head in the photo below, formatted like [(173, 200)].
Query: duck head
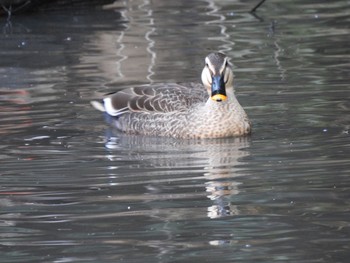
[(217, 76)]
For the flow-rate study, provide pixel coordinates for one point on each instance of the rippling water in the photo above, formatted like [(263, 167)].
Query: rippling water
[(74, 190)]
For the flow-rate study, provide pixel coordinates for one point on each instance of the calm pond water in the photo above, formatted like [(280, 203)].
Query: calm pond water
[(74, 190)]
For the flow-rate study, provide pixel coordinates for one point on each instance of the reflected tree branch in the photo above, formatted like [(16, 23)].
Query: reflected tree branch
[(257, 6)]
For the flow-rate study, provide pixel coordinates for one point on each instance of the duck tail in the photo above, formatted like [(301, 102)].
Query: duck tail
[(98, 105)]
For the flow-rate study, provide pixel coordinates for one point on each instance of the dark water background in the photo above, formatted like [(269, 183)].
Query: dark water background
[(74, 190)]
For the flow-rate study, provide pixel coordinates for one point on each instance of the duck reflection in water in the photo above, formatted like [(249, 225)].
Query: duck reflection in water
[(169, 166)]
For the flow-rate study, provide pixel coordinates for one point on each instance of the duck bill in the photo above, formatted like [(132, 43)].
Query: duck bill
[(218, 91)]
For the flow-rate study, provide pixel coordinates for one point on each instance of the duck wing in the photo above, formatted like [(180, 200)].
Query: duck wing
[(158, 98)]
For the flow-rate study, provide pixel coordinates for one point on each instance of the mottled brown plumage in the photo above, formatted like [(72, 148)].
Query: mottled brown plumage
[(187, 110)]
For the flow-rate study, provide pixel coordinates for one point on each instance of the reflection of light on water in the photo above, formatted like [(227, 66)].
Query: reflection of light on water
[(277, 53), (150, 42), (136, 56), (121, 57), (220, 22)]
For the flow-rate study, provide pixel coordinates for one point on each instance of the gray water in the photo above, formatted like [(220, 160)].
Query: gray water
[(74, 190)]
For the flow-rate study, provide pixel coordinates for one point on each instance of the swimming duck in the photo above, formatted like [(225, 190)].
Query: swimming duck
[(184, 110)]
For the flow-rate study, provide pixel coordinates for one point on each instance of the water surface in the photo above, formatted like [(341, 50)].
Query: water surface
[(74, 190)]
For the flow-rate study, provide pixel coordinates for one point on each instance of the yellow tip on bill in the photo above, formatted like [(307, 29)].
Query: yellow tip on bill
[(218, 97)]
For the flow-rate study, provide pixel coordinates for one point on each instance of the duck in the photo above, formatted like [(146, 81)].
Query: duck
[(181, 110)]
